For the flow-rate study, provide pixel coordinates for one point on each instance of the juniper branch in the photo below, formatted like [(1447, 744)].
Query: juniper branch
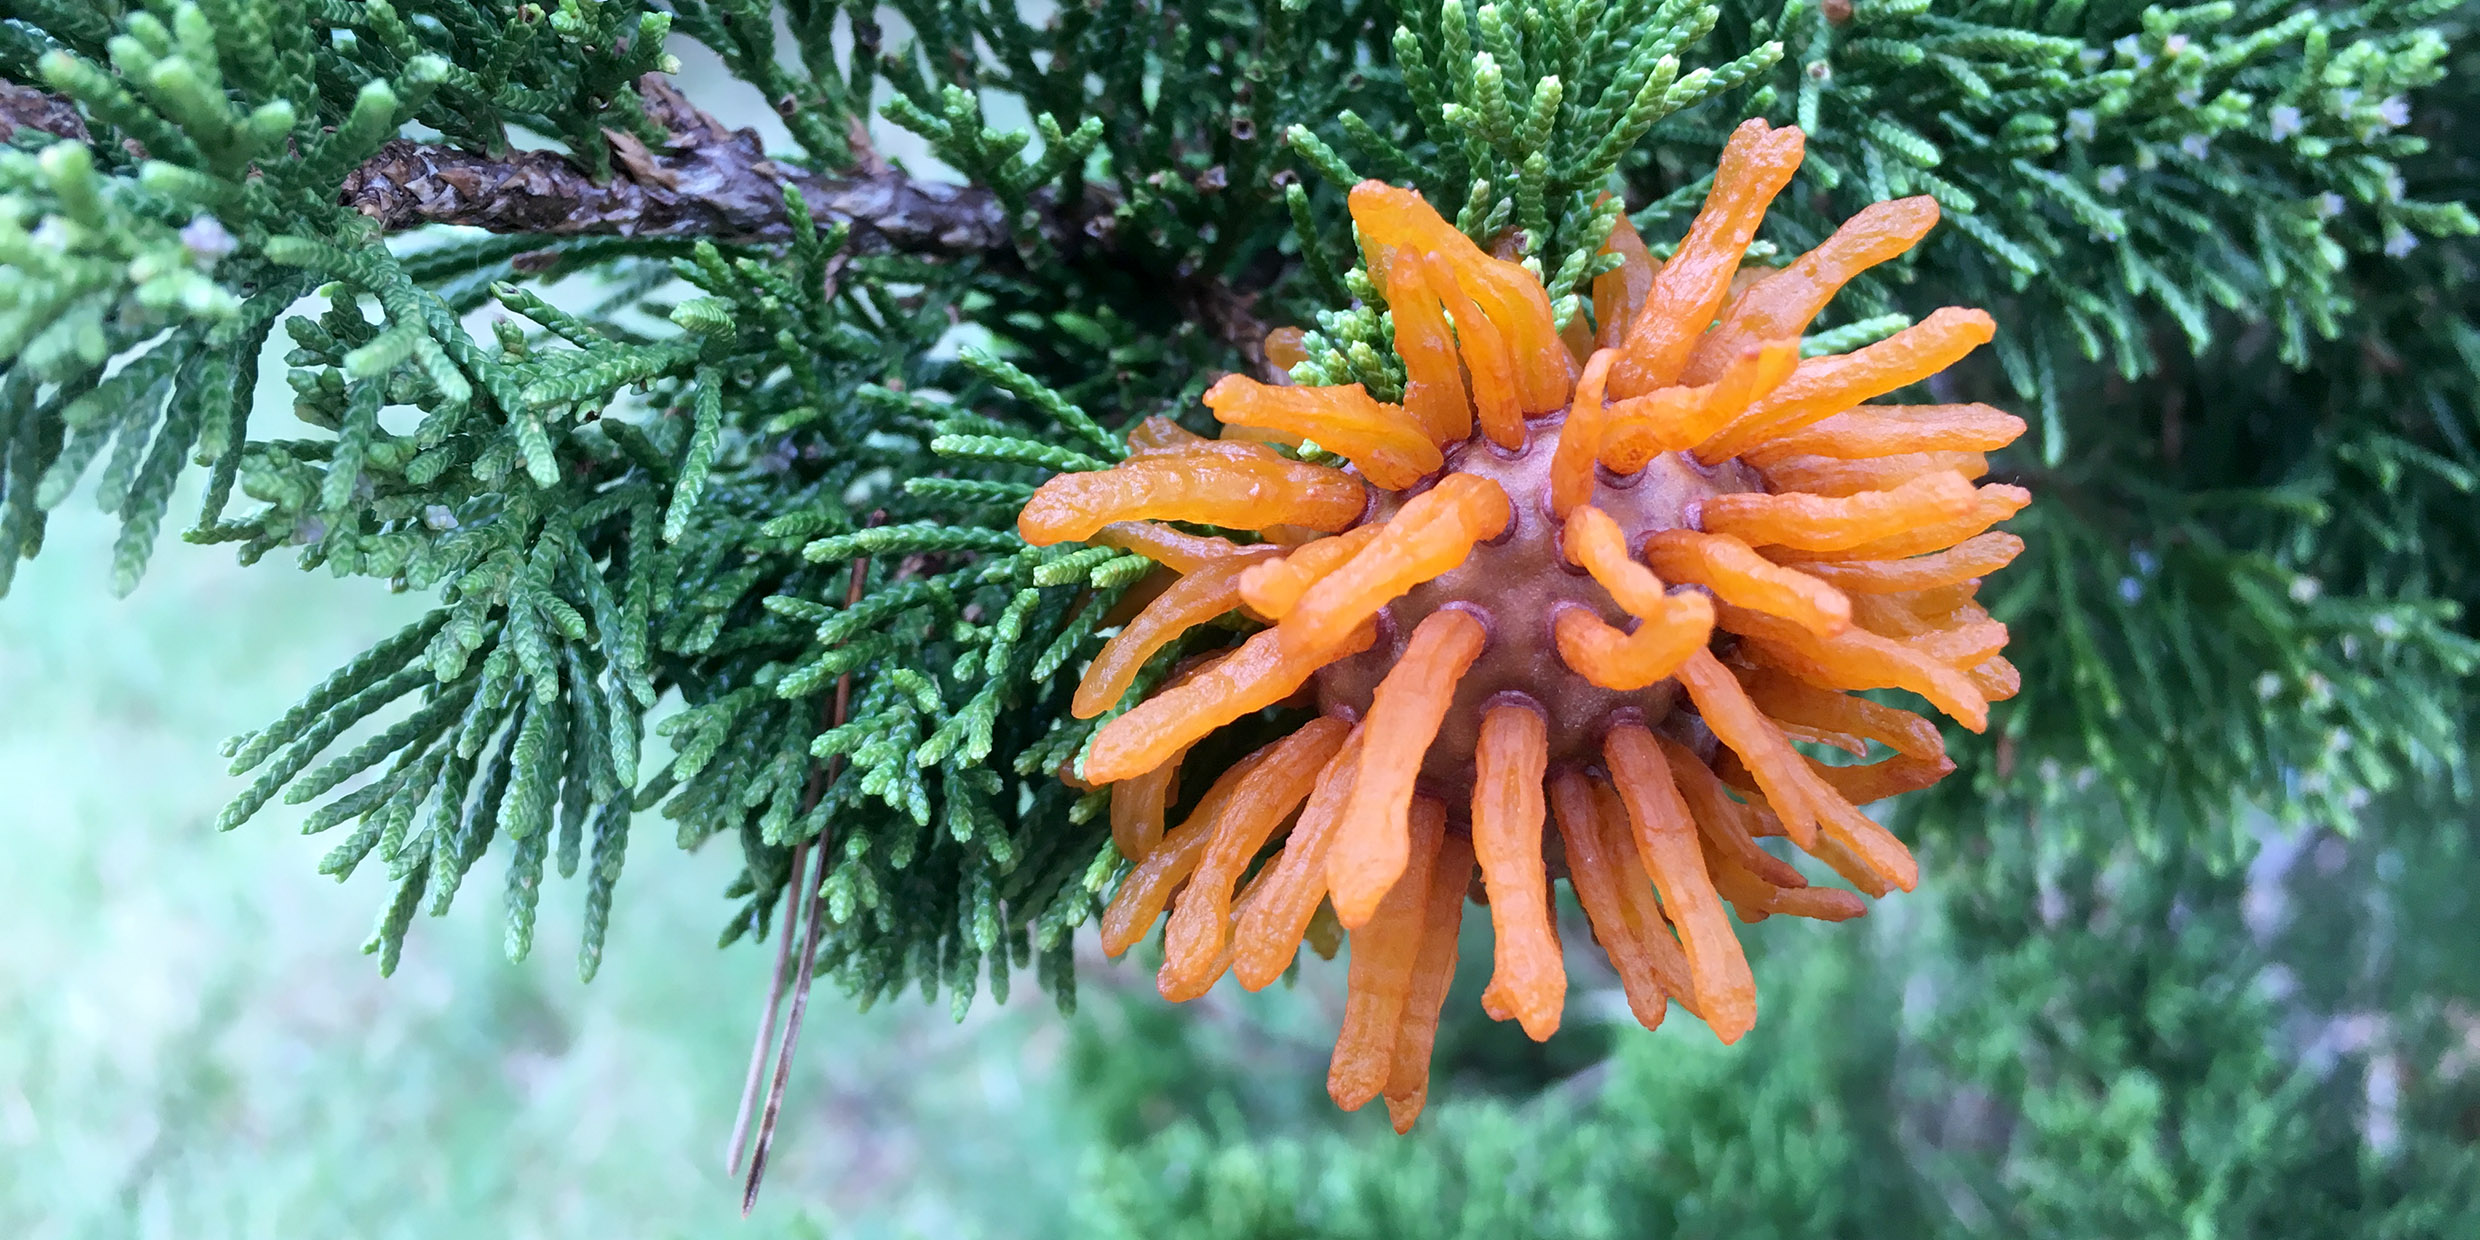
[(706, 181)]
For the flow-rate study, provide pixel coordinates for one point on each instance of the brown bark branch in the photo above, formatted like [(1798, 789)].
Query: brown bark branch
[(709, 181), (23, 107), (706, 181)]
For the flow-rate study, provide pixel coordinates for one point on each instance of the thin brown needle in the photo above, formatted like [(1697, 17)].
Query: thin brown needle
[(820, 777), (774, 1007)]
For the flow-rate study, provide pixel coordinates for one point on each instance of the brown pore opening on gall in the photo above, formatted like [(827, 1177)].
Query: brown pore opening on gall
[(1563, 618), (1516, 584)]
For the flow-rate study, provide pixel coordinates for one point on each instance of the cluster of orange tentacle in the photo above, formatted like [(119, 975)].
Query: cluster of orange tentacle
[(1800, 545)]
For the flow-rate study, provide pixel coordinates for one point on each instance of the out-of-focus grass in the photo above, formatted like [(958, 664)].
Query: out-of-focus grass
[(191, 1046)]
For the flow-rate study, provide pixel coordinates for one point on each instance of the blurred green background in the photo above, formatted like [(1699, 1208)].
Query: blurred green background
[(191, 1046)]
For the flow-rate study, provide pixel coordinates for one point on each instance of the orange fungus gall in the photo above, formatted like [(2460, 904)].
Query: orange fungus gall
[(1590, 603)]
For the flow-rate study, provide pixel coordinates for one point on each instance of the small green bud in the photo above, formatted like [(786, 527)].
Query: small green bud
[(264, 130), (185, 184), (131, 56), (70, 168), (193, 102), (196, 36), (707, 316), (424, 70)]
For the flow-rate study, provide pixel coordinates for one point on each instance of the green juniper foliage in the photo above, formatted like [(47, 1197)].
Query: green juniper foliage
[(747, 477)]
